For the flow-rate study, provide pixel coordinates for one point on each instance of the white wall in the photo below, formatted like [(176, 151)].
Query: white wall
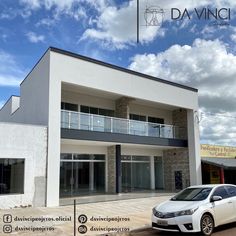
[(83, 149), (9, 107), (194, 149), (91, 75), (34, 101), (28, 142), (87, 100)]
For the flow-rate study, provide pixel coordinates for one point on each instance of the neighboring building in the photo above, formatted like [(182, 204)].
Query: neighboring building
[(218, 164), (109, 130), (23, 152)]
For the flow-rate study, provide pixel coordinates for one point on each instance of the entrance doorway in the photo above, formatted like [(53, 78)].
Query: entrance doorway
[(135, 173), (82, 174)]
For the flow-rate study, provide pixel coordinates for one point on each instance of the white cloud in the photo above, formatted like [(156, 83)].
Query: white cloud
[(11, 74), (2, 102), (48, 4), (9, 81), (206, 65), (218, 128), (34, 38), (116, 25), (233, 37), (46, 22), (73, 8)]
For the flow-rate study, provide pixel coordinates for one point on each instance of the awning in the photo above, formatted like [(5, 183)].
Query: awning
[(226, 163)]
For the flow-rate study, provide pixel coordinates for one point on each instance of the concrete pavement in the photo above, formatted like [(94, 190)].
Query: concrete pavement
[(91, 219)]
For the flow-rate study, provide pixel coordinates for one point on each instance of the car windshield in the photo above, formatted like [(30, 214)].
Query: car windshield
[(192, 194)]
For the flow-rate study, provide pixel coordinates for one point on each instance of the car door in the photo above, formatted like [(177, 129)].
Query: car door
[(223, 209), (232, 192)]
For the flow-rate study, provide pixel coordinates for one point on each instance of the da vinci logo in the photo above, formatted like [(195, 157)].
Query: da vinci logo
[(155, 15)]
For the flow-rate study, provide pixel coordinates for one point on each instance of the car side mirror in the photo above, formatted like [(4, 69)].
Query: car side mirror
[(216, 198)]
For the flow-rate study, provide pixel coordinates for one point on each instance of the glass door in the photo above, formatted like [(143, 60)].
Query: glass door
[(140, 176), (66, 180), (126, 175), (135, 173), (81, 174)]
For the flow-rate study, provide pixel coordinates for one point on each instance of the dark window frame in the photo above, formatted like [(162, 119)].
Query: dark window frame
[(97, 111), (155, 120), (137, 117), (22, 191), (69, 106)]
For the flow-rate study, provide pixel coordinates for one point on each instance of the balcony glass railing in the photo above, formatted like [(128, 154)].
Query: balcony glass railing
[(91, 122)]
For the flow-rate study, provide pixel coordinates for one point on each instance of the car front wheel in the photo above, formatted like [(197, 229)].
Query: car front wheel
[(207, 224)]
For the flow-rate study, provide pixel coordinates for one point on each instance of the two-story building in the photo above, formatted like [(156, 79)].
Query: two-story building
[(109, 130)]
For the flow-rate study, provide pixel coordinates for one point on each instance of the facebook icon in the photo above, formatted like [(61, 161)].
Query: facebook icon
[(7, 218)]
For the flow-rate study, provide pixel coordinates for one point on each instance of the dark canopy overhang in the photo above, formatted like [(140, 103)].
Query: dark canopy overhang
[(226, 163)]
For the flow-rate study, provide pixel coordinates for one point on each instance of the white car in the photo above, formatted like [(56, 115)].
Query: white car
[(197, 209)]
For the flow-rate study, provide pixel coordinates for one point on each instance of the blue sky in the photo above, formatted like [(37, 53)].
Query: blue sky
[(198, 53)]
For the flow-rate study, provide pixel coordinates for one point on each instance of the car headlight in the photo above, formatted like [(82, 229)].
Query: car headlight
[(154, 211), (185, 212)]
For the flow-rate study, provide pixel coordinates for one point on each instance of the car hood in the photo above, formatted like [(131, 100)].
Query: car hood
[(173, 206)]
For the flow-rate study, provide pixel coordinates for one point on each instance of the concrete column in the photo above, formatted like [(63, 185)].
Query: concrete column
[(91, 176), (54, 143), (194, 149), (152, 173)]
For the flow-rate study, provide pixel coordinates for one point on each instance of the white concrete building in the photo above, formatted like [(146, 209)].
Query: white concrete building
[(109, 130)]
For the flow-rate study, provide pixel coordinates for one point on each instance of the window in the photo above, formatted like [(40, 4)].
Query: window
[(12, 176), (97, 111), (69, 106), (231, 190), (137, 117), (192, 194), (155, 120), (221, 191)]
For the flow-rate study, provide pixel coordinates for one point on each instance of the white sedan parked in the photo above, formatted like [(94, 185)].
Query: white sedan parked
[(197, 209)]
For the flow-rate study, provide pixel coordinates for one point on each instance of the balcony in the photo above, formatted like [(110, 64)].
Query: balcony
[(91, 122)]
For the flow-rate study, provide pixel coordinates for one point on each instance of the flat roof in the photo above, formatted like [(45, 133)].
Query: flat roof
[(71, 54), (226, 163)]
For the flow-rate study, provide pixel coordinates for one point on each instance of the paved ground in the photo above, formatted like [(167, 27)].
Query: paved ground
[(226, 230), (102, 217)]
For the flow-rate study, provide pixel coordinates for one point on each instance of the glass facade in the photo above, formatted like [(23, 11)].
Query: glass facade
[(81, 174), (12, 176), (135, 173), (84, 174)]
